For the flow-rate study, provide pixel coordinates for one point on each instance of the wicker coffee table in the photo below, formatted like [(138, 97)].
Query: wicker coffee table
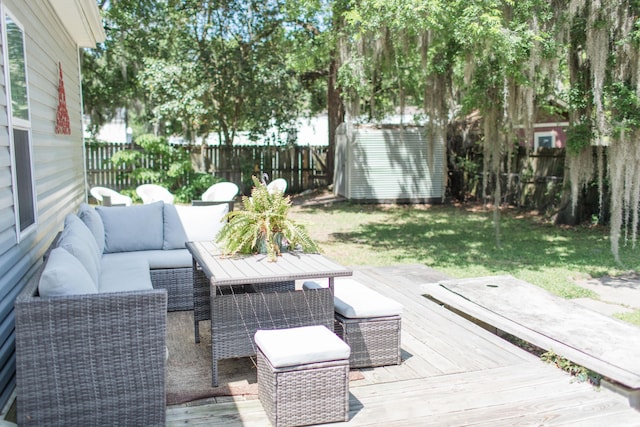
[(242, 294)]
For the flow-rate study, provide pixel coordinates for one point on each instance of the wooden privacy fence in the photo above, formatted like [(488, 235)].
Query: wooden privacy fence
[(304, 167), (535, 180)]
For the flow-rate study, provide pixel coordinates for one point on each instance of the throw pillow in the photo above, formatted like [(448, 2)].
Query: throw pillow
[(174, 234), (202, 223), (64, 275), (132, 228), (78, 240), (93, 221)]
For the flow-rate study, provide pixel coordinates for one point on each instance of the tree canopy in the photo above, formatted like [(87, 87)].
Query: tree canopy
[(199, 67), (210, 66)]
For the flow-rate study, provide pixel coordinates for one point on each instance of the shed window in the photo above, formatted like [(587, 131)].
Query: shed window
[(20, 125), (544, 140)]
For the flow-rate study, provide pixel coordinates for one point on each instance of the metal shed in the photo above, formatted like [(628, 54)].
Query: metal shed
[(389, 164)]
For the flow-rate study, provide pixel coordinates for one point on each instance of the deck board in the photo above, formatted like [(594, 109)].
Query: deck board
[(603, 344), (454, 373)]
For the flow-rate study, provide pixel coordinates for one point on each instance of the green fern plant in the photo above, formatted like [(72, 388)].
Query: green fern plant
[(263, 226)]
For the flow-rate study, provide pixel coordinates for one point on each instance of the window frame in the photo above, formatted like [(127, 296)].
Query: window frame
[(19, 124), (543, 134)]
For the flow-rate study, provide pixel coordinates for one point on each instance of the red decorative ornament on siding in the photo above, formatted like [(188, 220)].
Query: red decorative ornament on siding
[(63, 126)]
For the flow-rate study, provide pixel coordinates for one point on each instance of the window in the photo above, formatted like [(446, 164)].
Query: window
[(544, 140), (20, 125)]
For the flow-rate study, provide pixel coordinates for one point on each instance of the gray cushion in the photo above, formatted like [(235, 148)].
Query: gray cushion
[(301, 346), (64, 275), (174, 234), (93, 221), (132, 228), (354, 300), (78, 240), (123, 275), (173, 258)]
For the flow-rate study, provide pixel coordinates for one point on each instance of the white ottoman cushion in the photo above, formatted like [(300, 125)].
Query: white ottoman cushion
[(354, 300), (301, 346)]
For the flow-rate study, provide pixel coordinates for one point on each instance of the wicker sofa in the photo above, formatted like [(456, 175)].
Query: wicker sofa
[(91, 322)]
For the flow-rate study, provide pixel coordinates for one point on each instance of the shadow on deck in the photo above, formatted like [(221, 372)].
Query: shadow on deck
[(454, 372)]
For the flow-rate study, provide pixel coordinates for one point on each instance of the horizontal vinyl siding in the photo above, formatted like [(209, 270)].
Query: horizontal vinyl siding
[(394, 165), (57, 161)]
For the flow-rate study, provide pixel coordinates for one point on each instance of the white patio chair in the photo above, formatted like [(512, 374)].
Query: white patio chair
[(221, 192), (109, 197), (277, 185), (150, 193)]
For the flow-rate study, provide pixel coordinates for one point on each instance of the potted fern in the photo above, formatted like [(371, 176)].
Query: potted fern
[(263, 226)]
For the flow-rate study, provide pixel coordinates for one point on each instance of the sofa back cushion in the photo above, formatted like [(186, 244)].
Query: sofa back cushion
[(63, 274), (174, 234), (78, 240), (93, 221), (202, 223), (132, 228)]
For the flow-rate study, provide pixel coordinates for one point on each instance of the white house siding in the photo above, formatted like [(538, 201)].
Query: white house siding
[(57, 162)]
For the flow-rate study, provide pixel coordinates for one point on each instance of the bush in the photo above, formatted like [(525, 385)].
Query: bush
[(168, 166)]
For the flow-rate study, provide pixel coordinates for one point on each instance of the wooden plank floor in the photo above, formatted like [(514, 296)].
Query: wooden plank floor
[(454, 373), (601, 343)]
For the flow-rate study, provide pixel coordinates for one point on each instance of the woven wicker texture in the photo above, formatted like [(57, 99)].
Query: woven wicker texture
[(235, 318), (373, 341), (202, 295), (91, 360), (303, 395), (179, 285)]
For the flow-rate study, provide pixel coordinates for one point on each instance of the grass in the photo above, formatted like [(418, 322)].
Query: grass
[(461, 242)]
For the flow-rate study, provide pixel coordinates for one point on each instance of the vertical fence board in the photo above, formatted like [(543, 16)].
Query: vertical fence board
[(235, 164)]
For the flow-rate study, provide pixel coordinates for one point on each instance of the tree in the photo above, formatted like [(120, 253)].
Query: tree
[(603, 40), (454, 57), (196, 68), (502, 58)]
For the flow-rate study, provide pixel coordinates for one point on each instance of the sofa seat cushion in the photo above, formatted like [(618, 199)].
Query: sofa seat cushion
[(64, 274), (124, 274), (132, 228), (174, 258)]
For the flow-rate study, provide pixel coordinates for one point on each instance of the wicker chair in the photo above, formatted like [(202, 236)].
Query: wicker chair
[(92, 359)]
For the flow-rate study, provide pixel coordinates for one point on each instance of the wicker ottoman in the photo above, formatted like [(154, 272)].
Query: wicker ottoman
[(367, 321), (303, 376)]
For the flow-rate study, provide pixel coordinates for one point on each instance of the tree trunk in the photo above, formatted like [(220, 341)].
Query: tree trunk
[(565, 214), (335, 110)]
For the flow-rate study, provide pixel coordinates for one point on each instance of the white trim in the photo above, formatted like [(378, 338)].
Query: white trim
[(18, 123), (551, 125), (82, 20), (85, 175)]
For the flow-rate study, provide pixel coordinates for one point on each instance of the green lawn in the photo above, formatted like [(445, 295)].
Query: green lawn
[(461, 242)]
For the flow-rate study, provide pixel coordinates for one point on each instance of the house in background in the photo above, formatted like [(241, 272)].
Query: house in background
[(549, 129), (42, 174)]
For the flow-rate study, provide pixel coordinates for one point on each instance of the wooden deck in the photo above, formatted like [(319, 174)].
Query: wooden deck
[(601, 343), (453, 373)]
